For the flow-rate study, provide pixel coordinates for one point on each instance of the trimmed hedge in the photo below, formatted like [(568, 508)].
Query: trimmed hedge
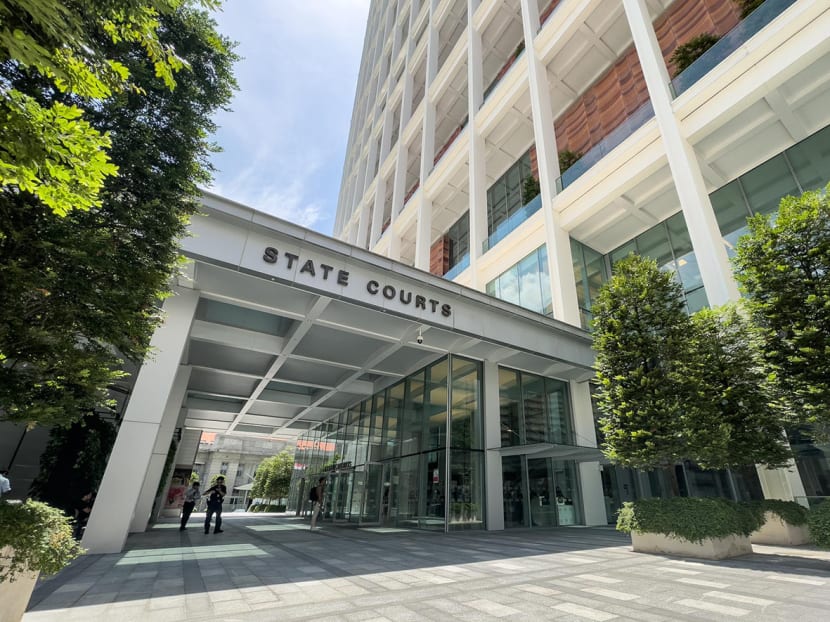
[(788, 511), (819, 523), (691, 518)]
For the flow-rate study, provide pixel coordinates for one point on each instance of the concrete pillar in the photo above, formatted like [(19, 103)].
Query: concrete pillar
[(593, 500), (139, 432), (557, 240), (423, 233), (494, 512), (155, 471), (688, 180), (477, 188)]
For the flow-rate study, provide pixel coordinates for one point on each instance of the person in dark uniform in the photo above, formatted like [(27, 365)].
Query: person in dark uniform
[(215, 494), (190, 498)]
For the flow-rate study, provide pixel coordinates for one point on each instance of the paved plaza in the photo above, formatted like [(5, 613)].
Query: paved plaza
[(266, 567)]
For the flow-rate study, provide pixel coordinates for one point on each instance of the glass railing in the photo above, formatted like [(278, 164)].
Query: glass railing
[(458, 268), (513, 221), (606, 145), (730, 42)]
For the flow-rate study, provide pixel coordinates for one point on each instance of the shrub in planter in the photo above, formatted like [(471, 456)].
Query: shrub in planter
[(690, 518), (783, 523), (530, 189), (788, 511), (747, 6), (38, 537), (684, 55), (819, 523), (567, 159)]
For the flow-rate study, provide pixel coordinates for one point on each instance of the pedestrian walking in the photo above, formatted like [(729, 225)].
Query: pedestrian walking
[(192, 495), (315, 495), (216, 495)]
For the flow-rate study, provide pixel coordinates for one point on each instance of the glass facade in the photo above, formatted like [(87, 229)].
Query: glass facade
[(459, 236), (409, 456), (526, 284), (533, 409), (590, 272), (504, 197)]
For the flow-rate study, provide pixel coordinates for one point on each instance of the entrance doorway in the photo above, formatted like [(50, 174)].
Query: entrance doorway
[(540, 492)]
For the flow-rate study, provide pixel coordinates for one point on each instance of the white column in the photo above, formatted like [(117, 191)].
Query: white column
[(688, 180), (424, 233), (557, 240), (593, 500), (477, 188), (155, 470), (494, 513), (362, 226), (139, 430)]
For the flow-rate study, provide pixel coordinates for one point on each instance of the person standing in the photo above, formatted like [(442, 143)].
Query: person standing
[(190, 498), (316, 497), (216, 494), (5, 485)]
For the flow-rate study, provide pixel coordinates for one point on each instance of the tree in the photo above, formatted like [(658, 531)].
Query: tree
[(74, 461), (49, 150), (82, 291), (640, 330), (674, 387), (273, 476), (783, 268)]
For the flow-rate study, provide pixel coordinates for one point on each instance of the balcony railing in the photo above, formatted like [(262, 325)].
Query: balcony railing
[(606, 145), (458, 268), (730, 42), (513, 221)]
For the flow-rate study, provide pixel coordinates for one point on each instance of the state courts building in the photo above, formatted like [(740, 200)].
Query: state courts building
[(432, 359)]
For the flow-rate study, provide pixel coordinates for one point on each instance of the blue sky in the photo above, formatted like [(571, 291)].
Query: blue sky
[(285, 139)]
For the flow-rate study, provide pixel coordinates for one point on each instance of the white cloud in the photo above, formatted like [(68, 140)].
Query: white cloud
[(285, 140)]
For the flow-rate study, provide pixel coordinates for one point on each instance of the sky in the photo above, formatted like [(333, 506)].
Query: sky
[(284, 140)]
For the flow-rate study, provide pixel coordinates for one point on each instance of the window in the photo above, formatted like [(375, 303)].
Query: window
[(533, 410), (526, 284), (223, 470), (504, 198), (459, 236)]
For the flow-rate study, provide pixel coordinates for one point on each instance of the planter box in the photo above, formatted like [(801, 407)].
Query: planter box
[(775, 531), (710, 548), (15, 595)]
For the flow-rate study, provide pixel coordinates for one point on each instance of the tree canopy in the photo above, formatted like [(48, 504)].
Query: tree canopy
[(273, 476), (783, 268), (674, 387), (80, 292)]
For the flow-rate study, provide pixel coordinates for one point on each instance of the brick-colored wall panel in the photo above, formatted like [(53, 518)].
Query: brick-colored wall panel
[(622, 90), (439, 256)]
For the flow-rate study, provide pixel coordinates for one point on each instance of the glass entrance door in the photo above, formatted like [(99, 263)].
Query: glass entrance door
[(540, 492), (341, 486)]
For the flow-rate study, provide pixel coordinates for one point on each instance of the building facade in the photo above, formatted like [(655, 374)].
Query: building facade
[(521, 147)]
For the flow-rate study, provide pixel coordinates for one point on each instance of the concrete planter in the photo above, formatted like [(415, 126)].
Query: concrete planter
[(710, 548), (777, 532), (15, 595)]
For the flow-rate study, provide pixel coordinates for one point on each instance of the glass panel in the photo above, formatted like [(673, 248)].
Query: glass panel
[(412, 417), (436, 406), (405, 492), (765, 185), (376, 429), (687, 266), (696, 300), (542, 502), (654, 243), (466, 401), (363, 433), (731, 213), (558, 413), (394, 405), (372, 493), (513, 491), (466, 490), (566, 489), (433, 497), (509, 286), (358, 492), (810, 160), (707, 483), (509, 396), (533, 402), (530, 287), (623, 251), (544, 281)]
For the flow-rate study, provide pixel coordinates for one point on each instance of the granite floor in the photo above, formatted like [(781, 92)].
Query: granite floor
[(269, 567)]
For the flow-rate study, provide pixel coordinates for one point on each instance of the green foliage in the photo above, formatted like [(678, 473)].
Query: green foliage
[(567, 159), (747, 6), (690, 518), (78, 293), (273, 476), (530, 189), (50, 151), (194, 477), (73, 462), (684, 55), (677, 388), (40, 537), (819, 524), (783, 267), (788, 511), (640, 331), (734, 421)]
